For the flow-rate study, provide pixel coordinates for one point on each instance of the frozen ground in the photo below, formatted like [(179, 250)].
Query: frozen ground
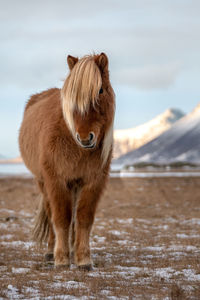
[(145, 244)]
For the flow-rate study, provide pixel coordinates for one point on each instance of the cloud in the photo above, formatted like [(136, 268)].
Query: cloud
[(138, 37), (150, 77)]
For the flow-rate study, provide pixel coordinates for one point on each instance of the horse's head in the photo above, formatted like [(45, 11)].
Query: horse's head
[(88, 102)]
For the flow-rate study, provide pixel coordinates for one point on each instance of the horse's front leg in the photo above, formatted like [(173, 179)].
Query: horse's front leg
[(85, 212), (60, 203)]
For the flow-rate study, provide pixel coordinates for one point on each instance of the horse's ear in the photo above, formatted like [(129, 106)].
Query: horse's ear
[(102, 62), (71, 60)]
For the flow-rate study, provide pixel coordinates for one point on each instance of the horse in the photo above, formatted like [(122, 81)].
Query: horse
[(65, 140)]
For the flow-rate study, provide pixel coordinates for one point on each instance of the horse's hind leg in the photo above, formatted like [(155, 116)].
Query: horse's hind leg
[(51, 244), (51, 235)]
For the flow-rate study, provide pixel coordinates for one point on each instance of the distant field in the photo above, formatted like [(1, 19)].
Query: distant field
[(145, 243)]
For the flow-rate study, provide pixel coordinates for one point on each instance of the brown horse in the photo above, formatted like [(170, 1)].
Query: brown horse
[(66, 142)]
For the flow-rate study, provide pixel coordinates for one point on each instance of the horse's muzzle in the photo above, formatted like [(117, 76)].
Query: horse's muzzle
[(88, 143)]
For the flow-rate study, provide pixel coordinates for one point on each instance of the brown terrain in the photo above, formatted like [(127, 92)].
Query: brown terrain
[(145, 243)]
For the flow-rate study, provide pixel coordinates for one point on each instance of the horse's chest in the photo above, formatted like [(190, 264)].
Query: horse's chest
[(85, 166)]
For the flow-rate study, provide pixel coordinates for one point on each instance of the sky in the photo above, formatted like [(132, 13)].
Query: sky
[(153, 48)]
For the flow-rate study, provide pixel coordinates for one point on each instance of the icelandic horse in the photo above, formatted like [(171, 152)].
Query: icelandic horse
[(66, 141)]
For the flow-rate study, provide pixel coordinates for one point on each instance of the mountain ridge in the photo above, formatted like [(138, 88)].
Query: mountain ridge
[(129, 139), (181, 142)]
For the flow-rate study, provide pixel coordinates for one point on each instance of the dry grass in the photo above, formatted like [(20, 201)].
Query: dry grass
[(145, 244)]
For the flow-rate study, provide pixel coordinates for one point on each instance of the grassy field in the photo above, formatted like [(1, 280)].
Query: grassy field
[(145, 243)]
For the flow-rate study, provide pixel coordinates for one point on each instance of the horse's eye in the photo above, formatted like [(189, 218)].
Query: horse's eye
[(101, 91)]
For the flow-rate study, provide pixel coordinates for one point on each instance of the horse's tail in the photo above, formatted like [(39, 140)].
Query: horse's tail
[(41, 226)]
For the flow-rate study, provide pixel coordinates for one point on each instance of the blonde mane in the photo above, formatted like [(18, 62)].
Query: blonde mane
[(80, 89), (107, 144)]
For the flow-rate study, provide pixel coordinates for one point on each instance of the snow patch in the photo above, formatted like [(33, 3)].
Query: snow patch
[(154, 248), (124, 242), (125, 221), (191, 275), (13, 292), (116, 232), (164, 272), (99, 239), (6, 236), (183, 248), (20, 270), (193, 221), (186, 236), (24, 245), (69, 285)]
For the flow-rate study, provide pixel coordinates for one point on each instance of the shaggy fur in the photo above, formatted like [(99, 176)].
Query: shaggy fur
[(66, 142)]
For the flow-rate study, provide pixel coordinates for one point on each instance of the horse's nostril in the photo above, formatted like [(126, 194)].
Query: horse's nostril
[(91, 136), (78, 137)]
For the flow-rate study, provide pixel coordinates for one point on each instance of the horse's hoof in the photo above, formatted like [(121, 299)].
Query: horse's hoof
[(87, 267), (62, 263), (49, 257)]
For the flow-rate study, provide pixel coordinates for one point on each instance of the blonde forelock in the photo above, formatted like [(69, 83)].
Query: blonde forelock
[(81, 88)]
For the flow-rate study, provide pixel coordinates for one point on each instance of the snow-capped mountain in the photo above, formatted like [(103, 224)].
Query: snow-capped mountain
[(179, 143), (126, 140)]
